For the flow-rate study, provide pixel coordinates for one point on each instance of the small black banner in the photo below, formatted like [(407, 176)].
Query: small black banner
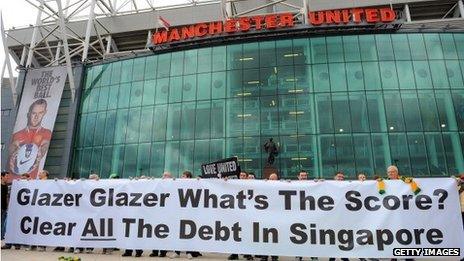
[(222, 168)]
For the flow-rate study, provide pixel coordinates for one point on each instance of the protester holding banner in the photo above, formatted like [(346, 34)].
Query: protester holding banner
[(4, 190), (190, 254), (243, 175)]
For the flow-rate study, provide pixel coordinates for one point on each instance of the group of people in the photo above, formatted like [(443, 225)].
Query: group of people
[(392, 174)]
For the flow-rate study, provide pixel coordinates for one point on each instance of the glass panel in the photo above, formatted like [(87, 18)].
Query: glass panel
[(164, 62), (351, 48), (146, 122), (359, 114), (190, 62), (218, 85), (99, 129), (267, 53), (188, 121), (217, 118), (412, 116), (303, 79), (204, 59), (305, 110), (371, 75), (139, 69), (90, 129), (368, 48), (175, 89), (143, 160), (250, 55), (384, 47), (405, 75), (126, 70), (318, 50), (162, 91), (96, 160), (219, 58), (106, 74), (355, 77), (401, 47), (439, 74), (422, 73), (286, 78), (417, 47), (341, 112), (388, 75), (159, 123), (151, 65), (116, 73), (433, 45), (204, 86), (446, 110), (234, 117), (113, 97), (171, 160), (234, 84), (251, 117), (201, 154), (189, 87), (301, 51), (435, 154), (428, 110), (400, 153), (284, 52), (288, 156), (124, 95), (328, 155), (269, 116), (454, 76), (251, 83), (136, 94), (234, 57), (394, 111), (117, 162), (173, 122), (363, 153), (103, 99), (157, 159), (376, 110), (177, 63), (335, 53), (107, 156), (321, 78), (186, 156), (345, 155), (203, 121), (324, 113), (418, 155), (307, 146), (149, 90), (381, 151), (110, 127), (268, 81), (130, 161), (459, 41), (133, 126), (449, 49), (287, 115), (337, 76), (454, 153), (458, 100)]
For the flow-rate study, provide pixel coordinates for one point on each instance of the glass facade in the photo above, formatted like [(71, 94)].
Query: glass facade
[(351, 103)]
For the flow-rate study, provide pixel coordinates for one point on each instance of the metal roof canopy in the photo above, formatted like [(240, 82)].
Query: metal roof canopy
[(85, 31)]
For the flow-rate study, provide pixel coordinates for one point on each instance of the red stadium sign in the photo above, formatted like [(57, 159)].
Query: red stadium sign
[(274, 21)]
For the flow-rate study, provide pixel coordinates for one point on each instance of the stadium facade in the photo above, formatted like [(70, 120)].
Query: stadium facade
[(339, 86)]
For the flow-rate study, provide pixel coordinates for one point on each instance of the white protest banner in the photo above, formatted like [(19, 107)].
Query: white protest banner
[(35, 120), (298, 218)]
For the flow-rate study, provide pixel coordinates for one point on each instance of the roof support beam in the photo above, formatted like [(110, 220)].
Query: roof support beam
[(66, 51), (7, 61), (88, 29), (38, 22)]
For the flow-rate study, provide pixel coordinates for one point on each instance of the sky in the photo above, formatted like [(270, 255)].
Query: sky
[(15, 13)]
